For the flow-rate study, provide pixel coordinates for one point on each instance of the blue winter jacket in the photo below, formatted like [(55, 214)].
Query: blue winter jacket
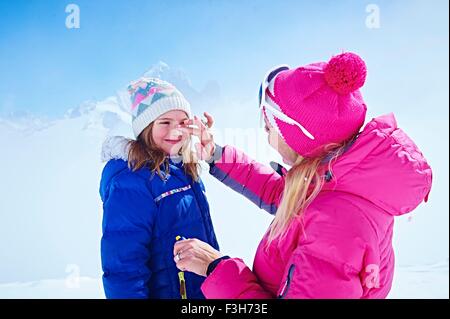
[(142, 215)]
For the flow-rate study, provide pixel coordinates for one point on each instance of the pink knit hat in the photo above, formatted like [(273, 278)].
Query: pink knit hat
[(323, 98)]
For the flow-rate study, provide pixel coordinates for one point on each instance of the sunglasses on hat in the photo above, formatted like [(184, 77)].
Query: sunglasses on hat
[(267, 104)]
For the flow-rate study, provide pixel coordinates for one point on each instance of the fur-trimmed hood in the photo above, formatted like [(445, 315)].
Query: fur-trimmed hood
[(115, 147)]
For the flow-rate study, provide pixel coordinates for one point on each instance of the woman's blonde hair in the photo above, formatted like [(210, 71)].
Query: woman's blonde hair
[(144, 152), (303, 182)]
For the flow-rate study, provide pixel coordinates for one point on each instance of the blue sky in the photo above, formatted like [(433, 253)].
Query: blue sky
[(46, 68)]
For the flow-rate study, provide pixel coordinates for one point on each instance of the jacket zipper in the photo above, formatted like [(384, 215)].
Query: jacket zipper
[(287, 283)]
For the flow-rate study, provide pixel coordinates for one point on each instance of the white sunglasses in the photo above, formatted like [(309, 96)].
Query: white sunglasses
[(266, 103)]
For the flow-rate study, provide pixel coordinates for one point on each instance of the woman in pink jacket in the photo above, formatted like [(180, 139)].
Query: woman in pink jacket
[(334, 208)]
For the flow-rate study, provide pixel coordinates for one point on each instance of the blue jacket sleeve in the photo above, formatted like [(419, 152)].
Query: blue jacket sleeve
[(127, 227)]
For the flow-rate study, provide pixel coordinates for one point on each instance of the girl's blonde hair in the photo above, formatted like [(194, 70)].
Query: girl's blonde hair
[(144, 152), (303, 182)]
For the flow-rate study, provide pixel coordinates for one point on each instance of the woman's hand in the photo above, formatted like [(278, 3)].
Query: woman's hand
[(194, 255), (205, 149)]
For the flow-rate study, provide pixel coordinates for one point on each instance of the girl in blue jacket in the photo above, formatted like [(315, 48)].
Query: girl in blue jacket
[(152, 193)]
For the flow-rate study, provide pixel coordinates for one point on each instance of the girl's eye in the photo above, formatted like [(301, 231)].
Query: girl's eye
[(164, 123)]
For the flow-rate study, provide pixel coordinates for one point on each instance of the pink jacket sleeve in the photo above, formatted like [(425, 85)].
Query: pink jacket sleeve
[(307, 276), (259, 183), (232, 279)]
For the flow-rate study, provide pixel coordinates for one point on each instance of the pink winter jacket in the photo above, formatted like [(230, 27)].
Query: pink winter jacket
[(343, 246)]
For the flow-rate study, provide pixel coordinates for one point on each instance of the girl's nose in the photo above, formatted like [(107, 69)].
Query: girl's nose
[(176, 131)]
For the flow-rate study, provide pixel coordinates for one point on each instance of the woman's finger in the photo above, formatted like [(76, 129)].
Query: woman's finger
[(204, 125), (180, 263), (200, 124), (184, 131), (195, 124), (184, 264), (209, 119), (192, 122), (191, 131), (182, 245)]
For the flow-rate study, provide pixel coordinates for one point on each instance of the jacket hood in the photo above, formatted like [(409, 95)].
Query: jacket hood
[(385, 167), (115, 147), (115, 153)]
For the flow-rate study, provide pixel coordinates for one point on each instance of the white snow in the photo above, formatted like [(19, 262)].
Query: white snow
[(421, 282), (84, 288), (51, 210)]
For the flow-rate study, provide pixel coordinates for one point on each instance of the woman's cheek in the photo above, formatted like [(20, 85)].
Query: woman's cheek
[(273, 139), (158, 135)]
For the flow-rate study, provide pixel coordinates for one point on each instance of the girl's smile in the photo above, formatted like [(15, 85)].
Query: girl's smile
[(174, 142), (166, 131)]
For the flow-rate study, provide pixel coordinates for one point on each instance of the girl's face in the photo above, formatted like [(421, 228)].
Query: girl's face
[(276, 141), (166, 133)]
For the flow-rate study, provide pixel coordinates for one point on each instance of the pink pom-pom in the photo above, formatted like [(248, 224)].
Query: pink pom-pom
[(345, 73)]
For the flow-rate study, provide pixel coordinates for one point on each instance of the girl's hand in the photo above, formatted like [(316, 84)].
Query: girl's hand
[(205, 149), (194, 255)]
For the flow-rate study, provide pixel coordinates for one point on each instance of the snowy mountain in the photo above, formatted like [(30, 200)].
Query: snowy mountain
[(51, 210)]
